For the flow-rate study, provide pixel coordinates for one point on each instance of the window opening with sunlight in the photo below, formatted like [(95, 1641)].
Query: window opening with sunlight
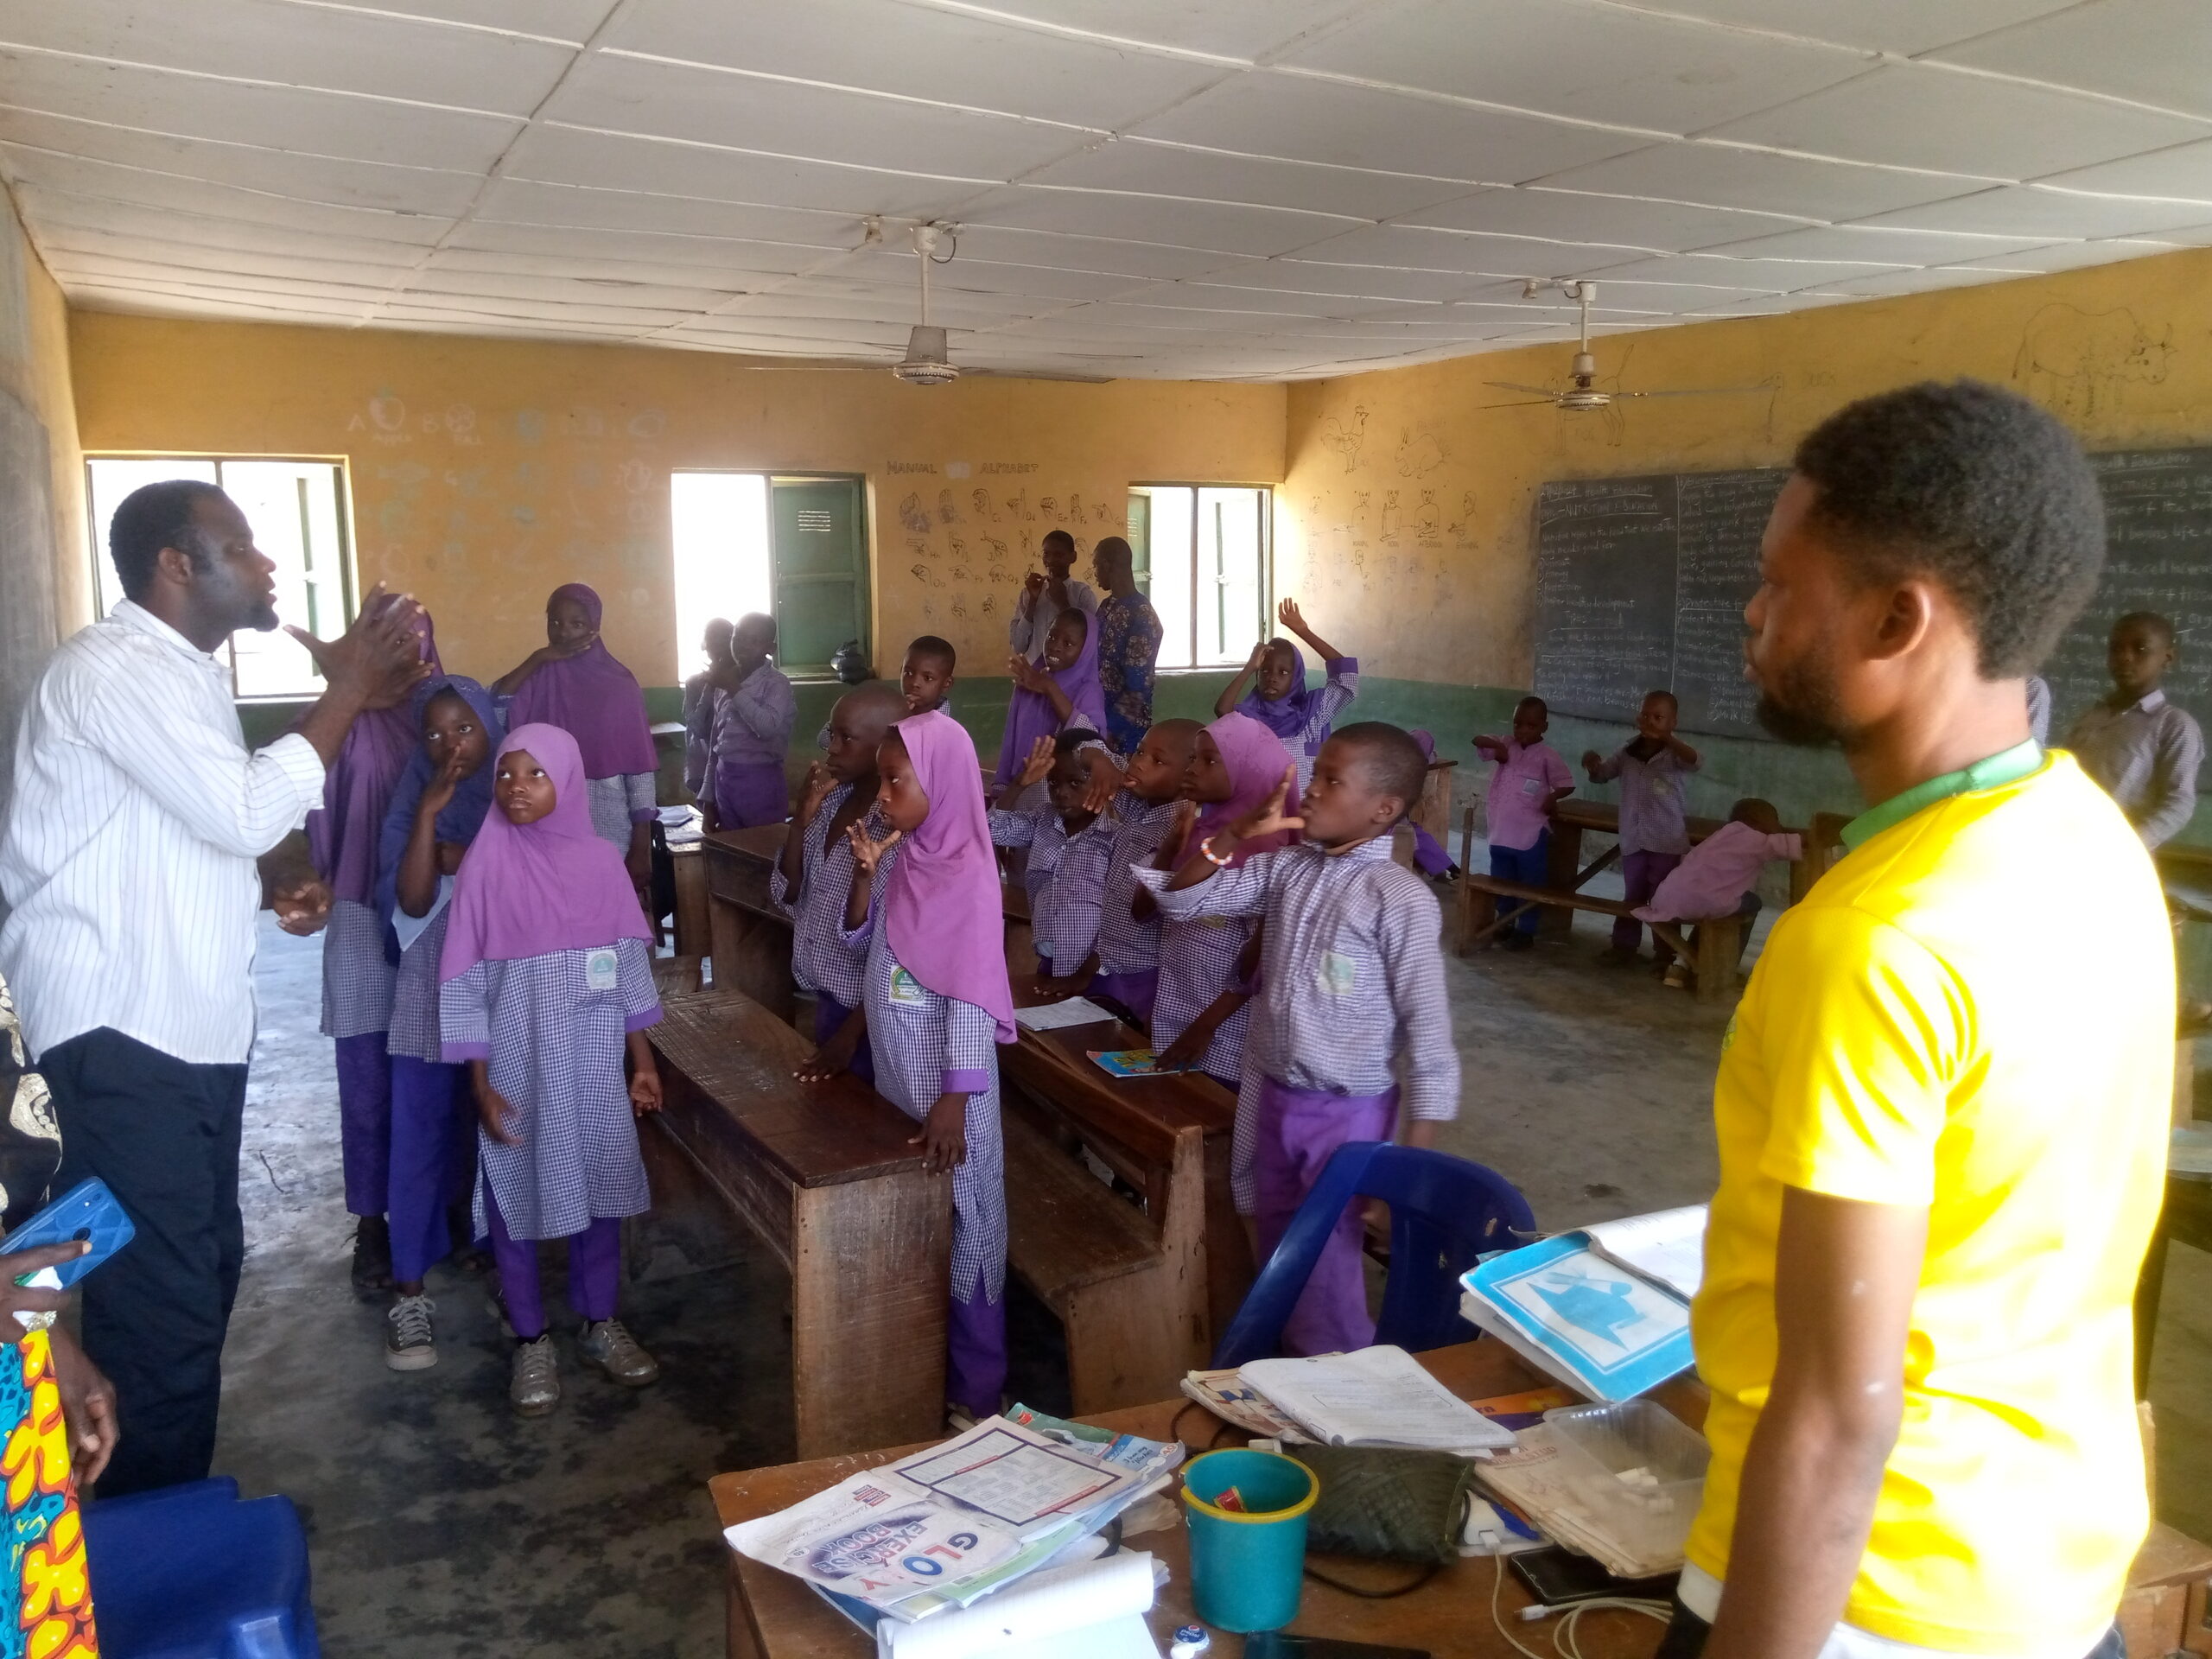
[(792, 546), (1205, 547), (297, 509)]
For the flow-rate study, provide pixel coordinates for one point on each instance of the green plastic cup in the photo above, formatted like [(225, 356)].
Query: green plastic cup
[(1247, 1563)]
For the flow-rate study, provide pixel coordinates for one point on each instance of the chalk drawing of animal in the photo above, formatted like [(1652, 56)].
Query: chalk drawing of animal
[(2082, 361), (1418, 455), (1346, 441)]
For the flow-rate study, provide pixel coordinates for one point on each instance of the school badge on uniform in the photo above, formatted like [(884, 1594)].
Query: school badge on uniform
[(602, 969)]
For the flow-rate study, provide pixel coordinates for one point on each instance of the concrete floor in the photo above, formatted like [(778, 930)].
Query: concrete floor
[(443, 1525)]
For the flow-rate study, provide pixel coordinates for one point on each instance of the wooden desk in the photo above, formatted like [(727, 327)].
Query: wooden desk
[(824, 1177), (1433, 813), (773, 1616), (749, 939)]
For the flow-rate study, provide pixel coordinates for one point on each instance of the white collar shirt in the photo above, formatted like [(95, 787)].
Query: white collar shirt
[(129, 855)]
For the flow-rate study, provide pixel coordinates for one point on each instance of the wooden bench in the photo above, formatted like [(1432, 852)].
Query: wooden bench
[(1712, 951), (823, 1175), (1199, 1262)]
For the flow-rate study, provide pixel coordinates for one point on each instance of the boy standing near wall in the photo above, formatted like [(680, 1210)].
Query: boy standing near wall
[(2142, 749), (1942, 1148)]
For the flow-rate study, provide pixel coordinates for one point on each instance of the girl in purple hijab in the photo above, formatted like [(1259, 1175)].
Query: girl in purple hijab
[(1198, 1014), (1429, 856), (356, 973), (926, 903), (573, 681), (1049, 695), (545, 982), (1279, 698)]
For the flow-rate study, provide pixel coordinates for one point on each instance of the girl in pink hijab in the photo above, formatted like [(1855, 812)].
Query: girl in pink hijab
[(545, 979), (573, 681), (1199, 1016), (926, 902)]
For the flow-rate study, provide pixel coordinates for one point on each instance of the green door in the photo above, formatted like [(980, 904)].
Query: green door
[(820, 541), (1141, 541)]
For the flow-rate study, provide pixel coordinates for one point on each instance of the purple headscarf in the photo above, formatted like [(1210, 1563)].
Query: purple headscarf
[(1030, 716), (463, 815), (592, 698), (1286, 715), (943, 911), (357, 790), (1420, 735), (531, 889), (1257, 760)]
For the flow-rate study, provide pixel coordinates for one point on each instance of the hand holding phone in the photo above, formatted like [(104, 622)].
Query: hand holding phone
[(88, 1215)]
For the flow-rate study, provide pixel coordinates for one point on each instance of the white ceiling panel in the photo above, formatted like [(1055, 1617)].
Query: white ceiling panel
[(1592, 62), (277, 118), (557, 155), (1903, 26), (1240, 189), (1215, 175), (2036, 211), (935, 57), (825, 124), (1909, 115), (337, 48), (1221, 227), (312, 178), (2150, 52), (1875, 245), (1571, 216), (2180, 171), (1313, 120)]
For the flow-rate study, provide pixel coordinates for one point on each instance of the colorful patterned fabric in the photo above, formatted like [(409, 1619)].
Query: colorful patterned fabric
[(1128, 645), (46, 1595)]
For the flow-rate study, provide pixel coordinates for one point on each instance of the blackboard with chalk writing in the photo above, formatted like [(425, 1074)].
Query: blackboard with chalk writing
[(1641, 582)]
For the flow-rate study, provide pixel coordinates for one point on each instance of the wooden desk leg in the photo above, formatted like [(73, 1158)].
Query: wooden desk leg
[(1717, 944), (1562, 864), (753, 955), (871, 1268), (1230, 1268), (741, 1640), (694, 928)]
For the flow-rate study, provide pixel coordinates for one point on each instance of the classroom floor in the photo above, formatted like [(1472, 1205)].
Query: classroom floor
[(441, 1525)]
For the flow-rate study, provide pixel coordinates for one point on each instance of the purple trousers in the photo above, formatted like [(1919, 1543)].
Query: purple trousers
[(1133, 991), (975, 1374), (1429, 857), (750, 792), (1641, 874), (432, 1161), (595, 1272), (365, 1120), (1297, 1128), (829, 1014)]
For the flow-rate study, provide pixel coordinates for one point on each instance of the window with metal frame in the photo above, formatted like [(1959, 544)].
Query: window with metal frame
[(1203, 559), (297, 509), (794, 545)]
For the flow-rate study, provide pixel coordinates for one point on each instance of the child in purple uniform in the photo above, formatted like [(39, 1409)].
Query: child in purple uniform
[(1067, 843), (436, 812), (545, 982), (1279, 698), (1351, 999), (1530, 780), (1144, 814), (925, 902), (815, 871), (1654, 768), (1200, 1013)]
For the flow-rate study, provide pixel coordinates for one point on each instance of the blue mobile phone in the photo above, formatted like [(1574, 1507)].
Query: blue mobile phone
[(87, 1212)]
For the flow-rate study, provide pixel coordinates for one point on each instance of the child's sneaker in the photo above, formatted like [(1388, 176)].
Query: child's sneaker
[(371, 1258), (410, 1342), (1678, 976), (607, 1345), (535, 1388)]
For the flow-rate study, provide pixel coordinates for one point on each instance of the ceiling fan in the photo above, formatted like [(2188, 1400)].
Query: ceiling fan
[(1582, 392), (928, 362)]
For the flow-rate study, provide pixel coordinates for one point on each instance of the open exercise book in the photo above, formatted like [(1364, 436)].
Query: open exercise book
[(1667, 1246), (1577, 1313), (1377, 1397)]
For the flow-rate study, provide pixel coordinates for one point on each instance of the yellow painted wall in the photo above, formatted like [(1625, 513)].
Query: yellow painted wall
[(35, 369), (485, 472), (1406, 516)]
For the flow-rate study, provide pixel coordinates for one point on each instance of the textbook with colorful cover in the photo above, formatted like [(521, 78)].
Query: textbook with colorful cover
[(1577, 1315), (1132, 1062)]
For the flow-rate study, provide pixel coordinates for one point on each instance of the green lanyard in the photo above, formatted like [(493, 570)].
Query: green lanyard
[(2005, 767)]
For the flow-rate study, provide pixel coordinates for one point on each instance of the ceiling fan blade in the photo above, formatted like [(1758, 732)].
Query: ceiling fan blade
[(1699, 391), (1514, 385), (1525, 402)]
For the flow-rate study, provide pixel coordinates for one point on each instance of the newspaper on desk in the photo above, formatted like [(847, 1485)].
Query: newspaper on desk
[(945, 1526)]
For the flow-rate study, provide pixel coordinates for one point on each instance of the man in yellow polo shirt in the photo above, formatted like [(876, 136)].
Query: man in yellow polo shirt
[(1942, 1143)]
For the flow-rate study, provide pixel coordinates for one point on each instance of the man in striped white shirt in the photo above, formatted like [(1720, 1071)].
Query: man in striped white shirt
[(130, 859)]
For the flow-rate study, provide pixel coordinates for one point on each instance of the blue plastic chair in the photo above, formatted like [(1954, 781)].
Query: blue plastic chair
[(191, 1572), (1445, 1213)]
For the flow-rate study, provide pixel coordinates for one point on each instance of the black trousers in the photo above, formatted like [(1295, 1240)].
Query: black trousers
[(164, 1135), (1686, 1634)]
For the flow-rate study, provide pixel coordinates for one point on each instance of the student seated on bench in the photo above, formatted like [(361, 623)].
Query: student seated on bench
[(1531, 779), (1717, 877)]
